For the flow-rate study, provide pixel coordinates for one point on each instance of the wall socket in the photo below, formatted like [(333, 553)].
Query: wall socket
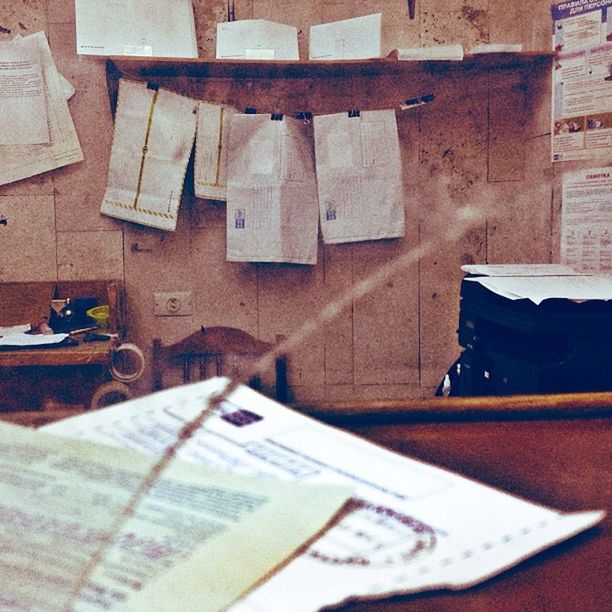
[(173, 303)]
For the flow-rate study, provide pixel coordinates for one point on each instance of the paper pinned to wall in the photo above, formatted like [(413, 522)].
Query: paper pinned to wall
[(157, 28), (271, 191), (359, 176), (357, 38), (22, 161), (154, 133), (212, 137), (23, 108), (256, 39)]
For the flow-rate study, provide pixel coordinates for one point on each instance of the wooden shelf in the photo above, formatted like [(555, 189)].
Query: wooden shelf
[(144, 67)]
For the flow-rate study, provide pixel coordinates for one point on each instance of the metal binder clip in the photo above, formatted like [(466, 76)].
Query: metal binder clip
[(304, 116), (249, 110), (276, 116), (231, 11), (353, 113), (152, 86)]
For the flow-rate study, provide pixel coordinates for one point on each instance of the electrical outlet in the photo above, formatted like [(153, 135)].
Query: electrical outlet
[(173, 303)]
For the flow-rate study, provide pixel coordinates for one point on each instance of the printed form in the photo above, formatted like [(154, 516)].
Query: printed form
[(256, 39), (409, 526), (271, 191), (154, 134), (359, 176), (59, 499), (349, 39), (62, 147)]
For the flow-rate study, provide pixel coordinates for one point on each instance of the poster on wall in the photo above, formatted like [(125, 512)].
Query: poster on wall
[(586, 220), (582, 80)]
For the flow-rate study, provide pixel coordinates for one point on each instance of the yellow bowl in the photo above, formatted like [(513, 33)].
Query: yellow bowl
[(100, 314)]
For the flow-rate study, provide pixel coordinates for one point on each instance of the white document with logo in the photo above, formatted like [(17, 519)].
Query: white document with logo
[(23, 105), (411, 526), (156, 28), (60, 500), (272, 211), (212, 138), (154, 134), (349, 39), (359, 176), (256, 39), (19, 161)]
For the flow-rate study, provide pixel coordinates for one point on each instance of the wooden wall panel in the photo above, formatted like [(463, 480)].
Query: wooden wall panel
[(89, 255)]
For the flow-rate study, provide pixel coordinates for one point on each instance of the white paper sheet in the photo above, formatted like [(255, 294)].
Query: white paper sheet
[(212, 138), (586, 220), (439, 52), (520, 270), (154, 133), (359, 176), (15, 329), (59, 498), (22, 161), (412, 526), (158, 28), (25, 340), (256, 39), (23, 109), (496, 48), (357, 38), (540, 288), (271, 191)]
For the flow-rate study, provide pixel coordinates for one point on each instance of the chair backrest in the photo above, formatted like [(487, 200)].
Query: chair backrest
[(212, 346)]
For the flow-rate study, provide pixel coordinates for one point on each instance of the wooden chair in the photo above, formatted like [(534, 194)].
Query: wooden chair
[(211, 346)]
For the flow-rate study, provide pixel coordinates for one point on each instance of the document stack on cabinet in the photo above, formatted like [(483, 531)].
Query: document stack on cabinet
[(409, 526), (533, 329)]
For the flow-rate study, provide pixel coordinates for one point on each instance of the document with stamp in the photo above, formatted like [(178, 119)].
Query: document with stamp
[(359, 176), (271, 191), (409, 526), (59, 504), (154, 134)]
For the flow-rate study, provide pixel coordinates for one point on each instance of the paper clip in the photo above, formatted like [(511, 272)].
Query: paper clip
[(353, 113)]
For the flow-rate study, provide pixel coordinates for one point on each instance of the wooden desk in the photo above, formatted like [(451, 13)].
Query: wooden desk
[(562, 463)]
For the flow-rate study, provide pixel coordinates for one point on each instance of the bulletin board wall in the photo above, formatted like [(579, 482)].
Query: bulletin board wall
[(483, 142)]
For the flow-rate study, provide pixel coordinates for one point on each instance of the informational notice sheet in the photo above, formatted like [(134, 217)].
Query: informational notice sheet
[(409, 527), (23, 116), (215, 534), (359, 176), (256, 39), (62, 147), (154, 134), (582, 80), (357, 38), (157, 28), (586, 220), (212, 137), (272, 211)]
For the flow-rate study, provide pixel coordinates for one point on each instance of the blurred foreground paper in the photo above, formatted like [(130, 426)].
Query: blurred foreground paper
[(23, 109), (357, 38), (19, 161), (409, 527), (154, 133), (158, 28), (256, 39), (197, 541), (359, 176), (271, 191), (210, 171)]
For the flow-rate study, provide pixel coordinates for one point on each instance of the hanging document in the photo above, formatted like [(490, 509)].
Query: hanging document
[(586, 220), (256, 39), (271, 191), (359, 176), (157, 28), (582, 80), (51, 123), (210, 173), (154, 133), (349, 39)]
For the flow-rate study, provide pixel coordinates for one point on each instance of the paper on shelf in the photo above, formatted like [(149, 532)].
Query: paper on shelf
[(543, 269), (359, 176), (439, 52), (22, 161), (272, 211), (25, 340), (357, 38), (496, 48), (412, 526), (157, 28), (15, 329), (256, 39), (212, 137), (23, 119), (154, 133)]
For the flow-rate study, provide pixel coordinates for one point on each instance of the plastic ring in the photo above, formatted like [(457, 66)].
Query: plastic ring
[(134, 355), (106, 395)]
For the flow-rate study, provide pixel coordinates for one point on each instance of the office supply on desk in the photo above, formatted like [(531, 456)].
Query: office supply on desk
[(256, 39), (156, 28), (412, 527), (356, 38)]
